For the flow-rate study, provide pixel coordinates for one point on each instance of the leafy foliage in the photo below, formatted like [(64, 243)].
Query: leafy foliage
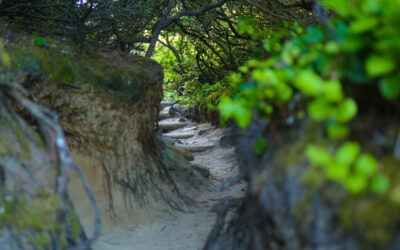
[(202, 51), (317, 62)]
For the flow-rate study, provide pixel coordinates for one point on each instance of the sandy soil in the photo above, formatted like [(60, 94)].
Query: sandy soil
[(175, 230)]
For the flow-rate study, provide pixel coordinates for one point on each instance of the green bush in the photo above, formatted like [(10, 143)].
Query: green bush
[(359, 45)]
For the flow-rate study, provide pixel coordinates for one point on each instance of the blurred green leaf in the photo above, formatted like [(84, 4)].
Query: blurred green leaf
[(318, 155), (366, 164), (347, 153), (340, 6), (309, 83), (377, 65), (352, 44), (319, 110), (268, 76), (39, 41), (231, 109), (363, 24), (332, 47), (380, 184), (314, 35), (346, 110), (246, 24), (332, 90), (260, 146), (356, 184), (390, 87), (267, 44), (337, 171), (338, 131)]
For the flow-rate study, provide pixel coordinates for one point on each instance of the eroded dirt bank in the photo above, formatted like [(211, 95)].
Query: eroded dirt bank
[(107, 104)]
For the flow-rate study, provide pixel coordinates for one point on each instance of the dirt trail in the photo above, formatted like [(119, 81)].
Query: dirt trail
[(175, 230)]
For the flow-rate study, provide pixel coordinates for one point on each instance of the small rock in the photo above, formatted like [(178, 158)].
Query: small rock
[(181, 135), (164, 115), (196, 148), (203, 131), (178, 141), (179, 107), (167, 103), (171, 125), (182, 120), (172, 110), (177, 163)]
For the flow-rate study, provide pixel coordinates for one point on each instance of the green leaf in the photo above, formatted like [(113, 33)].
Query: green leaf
[(347, 153), (377, 65), (260, 146), (380, 184), (277, 47), (332, 90), (346, 110), (267, 45), (243, 69), (338, 131), (309, 83), (289, 53), (246, 24), (356, 184), (332, 47), (248, 20), (227, 107), (337, 172), (243, 117), (284, 91), (246, 29), (353, 43), (319, 110), (370, 6), (340, 6), (39, 41), (366, 164), (267, 76), (235, 110), (318, 155), (363, 24), (313, 35), (390, 87)]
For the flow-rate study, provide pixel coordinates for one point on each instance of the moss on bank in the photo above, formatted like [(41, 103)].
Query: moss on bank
[(122, 76), (31, 212)]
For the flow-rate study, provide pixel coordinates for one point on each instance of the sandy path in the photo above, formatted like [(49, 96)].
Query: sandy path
[(182, 230)]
